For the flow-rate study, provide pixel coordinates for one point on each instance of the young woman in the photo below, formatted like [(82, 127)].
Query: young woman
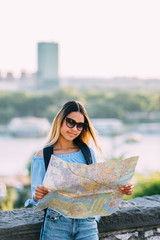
[(70, 126)]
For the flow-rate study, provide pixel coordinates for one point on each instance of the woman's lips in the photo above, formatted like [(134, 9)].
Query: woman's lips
[(72, 134)]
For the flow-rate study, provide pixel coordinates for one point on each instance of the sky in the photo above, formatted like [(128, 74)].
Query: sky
[(97, 38)]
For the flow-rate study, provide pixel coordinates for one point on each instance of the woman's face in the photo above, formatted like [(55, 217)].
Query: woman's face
[(72, 133)]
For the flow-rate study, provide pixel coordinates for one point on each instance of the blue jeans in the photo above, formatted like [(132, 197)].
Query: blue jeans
[(57, 227)]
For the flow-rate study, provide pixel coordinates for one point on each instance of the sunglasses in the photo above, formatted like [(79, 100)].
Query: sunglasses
[(71, 123)]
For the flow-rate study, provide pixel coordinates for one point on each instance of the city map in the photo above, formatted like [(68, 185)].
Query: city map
[(81, 191)]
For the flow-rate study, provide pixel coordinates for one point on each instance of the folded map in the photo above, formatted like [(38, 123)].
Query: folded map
[(81, 191)]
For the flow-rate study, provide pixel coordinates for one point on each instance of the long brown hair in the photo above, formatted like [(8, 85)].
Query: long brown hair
[(88, 131)]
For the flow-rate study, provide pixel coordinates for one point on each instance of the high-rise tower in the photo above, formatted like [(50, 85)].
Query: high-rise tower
[(47, 64)]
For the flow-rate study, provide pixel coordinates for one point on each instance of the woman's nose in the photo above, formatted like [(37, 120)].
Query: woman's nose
[(75, 127)]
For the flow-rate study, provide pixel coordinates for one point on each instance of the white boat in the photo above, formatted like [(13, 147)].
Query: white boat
[(29, 127), (108, 126), (133, 138)]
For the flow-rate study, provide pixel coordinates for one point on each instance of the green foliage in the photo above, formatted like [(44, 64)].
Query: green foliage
[(29, 164), (7, 202), (15, 198), (99, 104), (146, 186), (22, 195)]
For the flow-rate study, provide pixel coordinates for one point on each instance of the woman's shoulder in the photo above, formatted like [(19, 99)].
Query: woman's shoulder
[(39, 154), (38, 162), (38, 159)]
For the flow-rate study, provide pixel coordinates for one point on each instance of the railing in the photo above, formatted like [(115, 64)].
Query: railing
[(138, 218)]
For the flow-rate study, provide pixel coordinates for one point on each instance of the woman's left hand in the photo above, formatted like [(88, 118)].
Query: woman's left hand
[(127, 189)]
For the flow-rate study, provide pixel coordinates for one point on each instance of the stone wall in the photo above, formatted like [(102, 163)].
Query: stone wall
[(152, 233), (138, 218)]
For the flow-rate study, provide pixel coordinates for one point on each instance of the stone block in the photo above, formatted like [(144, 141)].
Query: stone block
[(153, 238), (126, 236), (109, 238), (148, 233), (158, 230)]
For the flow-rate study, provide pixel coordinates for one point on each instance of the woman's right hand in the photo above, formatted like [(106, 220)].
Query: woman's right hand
[(40, 192)]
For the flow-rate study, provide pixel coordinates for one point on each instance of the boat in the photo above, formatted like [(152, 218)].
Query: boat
[(108, 126), (28, 127), (133, 138)]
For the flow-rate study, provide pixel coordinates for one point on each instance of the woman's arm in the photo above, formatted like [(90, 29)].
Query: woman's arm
[(38, 191), (37, 175)]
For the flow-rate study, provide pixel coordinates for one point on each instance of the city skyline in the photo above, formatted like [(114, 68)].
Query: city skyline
[(96, 38)]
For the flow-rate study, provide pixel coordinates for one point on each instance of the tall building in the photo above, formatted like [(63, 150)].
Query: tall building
[(47, 64)]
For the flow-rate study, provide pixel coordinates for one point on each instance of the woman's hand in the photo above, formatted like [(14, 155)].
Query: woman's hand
[(127, 189), (40, 192)]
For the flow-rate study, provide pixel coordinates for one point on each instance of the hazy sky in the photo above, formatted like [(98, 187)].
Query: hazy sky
[(96, 37)]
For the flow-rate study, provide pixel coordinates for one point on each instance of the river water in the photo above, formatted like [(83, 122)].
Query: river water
[(16, 152)]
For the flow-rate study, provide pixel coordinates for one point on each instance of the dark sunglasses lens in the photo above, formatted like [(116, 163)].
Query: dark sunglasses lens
[(70, 123), (80, 126)]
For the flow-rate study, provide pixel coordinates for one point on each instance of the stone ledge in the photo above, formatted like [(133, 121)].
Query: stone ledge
[(136, 213)]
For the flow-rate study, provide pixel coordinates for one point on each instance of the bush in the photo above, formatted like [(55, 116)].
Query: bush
[(22, 196), (8, 201), (145, 186)]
